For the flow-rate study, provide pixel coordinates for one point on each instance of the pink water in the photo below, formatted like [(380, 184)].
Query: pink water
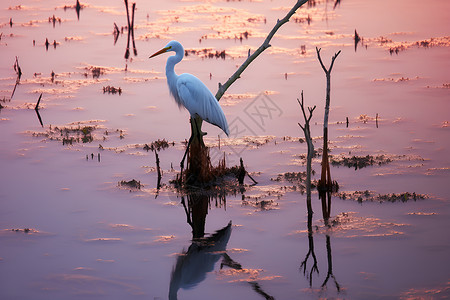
[(91, 239)]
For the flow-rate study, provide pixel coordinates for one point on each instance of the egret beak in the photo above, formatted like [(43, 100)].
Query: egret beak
[(163, 50)]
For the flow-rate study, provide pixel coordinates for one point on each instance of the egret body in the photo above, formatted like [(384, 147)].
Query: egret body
[(190, 92)]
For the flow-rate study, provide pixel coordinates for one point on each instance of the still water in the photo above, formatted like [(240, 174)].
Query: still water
[(70, 230)]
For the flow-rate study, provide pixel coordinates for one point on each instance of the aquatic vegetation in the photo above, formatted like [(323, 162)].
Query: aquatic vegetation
[(359, 162), (103, 240), (297, 178), (260, 204), (158, 145), (78, 132), (206, 53), (53, 20), (394, 47), (399, 79), (422, 214), (112, 90), (133, 184), (222, 180), (370, 196), (95, 71), (250, 142), (28, 231), (25, 230), (350, 225)]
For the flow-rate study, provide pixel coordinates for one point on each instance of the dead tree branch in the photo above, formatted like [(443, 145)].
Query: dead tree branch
[(325, 184), (328, 75), (116, 33), (307, 132), (36, 109), (19, 75), (130, 29), (264, 46)]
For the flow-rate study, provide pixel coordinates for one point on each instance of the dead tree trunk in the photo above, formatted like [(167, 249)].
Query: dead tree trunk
[(325, 184), (198, 169), (325, 179)]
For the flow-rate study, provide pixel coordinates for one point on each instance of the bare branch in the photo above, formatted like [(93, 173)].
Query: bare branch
[(39, 101), (333, 59), (320, 59), (307, 119), (36, 109), (19, 75), (223, 87)]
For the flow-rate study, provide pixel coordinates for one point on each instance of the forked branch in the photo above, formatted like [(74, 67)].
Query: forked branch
[(332, 60), (307, 119)]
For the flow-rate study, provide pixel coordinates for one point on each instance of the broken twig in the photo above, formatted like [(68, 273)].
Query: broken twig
[(36, 109), (19, 75)]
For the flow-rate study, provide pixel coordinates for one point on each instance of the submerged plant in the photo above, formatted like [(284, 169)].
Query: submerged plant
[(370, 196), (359, 162), (134, 184)]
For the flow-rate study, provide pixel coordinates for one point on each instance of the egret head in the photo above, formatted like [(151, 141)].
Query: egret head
[(171, 46)]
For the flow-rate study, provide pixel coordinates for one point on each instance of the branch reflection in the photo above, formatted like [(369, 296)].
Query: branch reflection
[(330, 266), (310, 253), (325, 197)]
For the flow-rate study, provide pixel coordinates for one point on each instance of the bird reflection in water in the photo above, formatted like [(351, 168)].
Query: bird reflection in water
[(193, 264)]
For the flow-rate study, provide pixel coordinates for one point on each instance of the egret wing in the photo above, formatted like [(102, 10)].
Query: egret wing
[(199, 100)]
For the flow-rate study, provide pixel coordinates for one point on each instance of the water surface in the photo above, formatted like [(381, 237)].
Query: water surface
[(70, 231)]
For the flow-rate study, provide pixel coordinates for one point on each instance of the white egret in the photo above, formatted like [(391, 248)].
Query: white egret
[(189, 92)]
